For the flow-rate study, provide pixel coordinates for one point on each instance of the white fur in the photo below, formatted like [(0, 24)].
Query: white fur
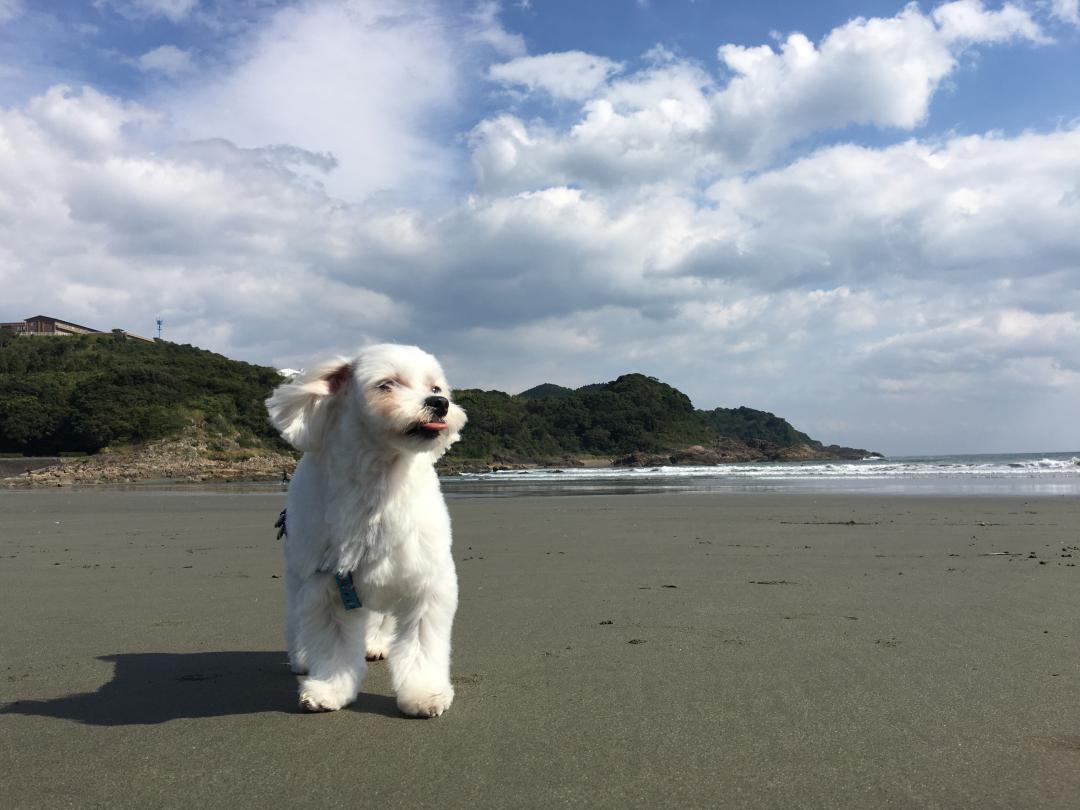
[(365, 499)]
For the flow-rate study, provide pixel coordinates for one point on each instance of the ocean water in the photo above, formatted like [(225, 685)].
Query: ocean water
[(1016, 474)]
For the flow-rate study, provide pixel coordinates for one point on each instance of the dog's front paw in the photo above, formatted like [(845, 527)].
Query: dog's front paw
[(426, 703), (324, 696), (378, 635), (377, 652)]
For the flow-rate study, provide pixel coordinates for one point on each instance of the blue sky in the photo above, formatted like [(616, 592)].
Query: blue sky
[(862, 216)]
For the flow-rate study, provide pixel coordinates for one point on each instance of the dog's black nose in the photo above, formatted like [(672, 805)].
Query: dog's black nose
[(438, 404)]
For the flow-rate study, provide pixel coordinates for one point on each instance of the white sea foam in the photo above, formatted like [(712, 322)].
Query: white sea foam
[(1057, 465)]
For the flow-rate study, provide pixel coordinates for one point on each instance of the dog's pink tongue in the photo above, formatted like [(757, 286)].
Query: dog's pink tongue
[(435, 426)]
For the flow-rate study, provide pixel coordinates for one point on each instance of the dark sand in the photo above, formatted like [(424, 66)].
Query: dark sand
[(700, 651)]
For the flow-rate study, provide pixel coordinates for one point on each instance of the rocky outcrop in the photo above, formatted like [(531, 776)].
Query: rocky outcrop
[(732, 451), (498, 463), (190, 458), (21, 465), (820, 452), (468, 466)]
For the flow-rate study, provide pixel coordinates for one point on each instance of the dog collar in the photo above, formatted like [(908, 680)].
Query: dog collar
[(350, 599)]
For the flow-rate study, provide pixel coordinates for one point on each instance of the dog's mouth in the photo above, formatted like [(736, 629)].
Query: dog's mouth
[(427, 430)]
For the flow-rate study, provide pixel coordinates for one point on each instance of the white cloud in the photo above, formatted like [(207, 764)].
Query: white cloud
[(645, 128), (88, 121), (969, 20), (847, 241), (1066, 10), (674, 119), (172, 10), (10, 9), (569, 75), (1005, 346), (358, 81), (880, 71), (113, 234), (167, 59), (972, 207), (487, 29)]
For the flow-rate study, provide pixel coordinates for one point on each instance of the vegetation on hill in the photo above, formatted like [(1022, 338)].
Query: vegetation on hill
[(546, 390), (83, 393), (632, 414), (750, 425)]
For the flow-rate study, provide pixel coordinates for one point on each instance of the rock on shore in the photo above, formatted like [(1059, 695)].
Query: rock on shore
[(730, 451), (190, 458)]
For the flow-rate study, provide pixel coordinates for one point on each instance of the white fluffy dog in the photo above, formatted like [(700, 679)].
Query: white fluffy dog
[(366, 522)]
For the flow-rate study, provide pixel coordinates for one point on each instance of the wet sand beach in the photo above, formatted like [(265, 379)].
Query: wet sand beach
[(737, 650)]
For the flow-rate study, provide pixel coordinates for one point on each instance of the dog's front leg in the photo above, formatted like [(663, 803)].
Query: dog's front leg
[(379, 635), (330, 641), (420, 652)]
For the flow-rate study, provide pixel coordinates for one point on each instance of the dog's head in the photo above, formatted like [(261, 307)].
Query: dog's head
[(393, 397)]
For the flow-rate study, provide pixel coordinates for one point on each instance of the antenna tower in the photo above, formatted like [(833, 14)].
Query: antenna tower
[(159, 323)]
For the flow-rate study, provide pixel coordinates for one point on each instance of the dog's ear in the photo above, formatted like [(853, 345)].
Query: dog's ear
[(300, 407)]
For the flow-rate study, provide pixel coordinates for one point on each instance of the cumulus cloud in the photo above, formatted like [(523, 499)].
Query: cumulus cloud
[(172, 10), (643, 129), (167, 59), (969, 20), (359, 81), (204, 233), (673, 118), (982, 344), (763, 275), (570, 75), (1066, 10), (86, 121), (487, 29), (966, 208)]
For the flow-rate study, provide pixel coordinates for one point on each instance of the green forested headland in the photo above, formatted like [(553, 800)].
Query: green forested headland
[(80, 394), (85, 393), (632, 414)]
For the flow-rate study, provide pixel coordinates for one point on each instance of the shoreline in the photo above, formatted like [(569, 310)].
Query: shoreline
[(141, 467), (186, 460), (917, 475), (762, 650), (456, 487)]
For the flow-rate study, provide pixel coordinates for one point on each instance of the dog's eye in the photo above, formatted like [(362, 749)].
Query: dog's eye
[(436, 390), (385, 385)]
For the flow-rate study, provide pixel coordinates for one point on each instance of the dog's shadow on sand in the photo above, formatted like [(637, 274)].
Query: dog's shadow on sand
[(151, 688)]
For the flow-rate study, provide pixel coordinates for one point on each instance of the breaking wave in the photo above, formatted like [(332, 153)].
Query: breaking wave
[(1041, 472)]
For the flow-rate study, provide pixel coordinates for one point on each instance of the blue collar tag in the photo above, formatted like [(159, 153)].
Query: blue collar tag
[(350, 599)]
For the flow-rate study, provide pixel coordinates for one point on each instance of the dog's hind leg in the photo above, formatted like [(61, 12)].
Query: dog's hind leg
[(297, 654), (420, 652), (329, 641), (379, 634)]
